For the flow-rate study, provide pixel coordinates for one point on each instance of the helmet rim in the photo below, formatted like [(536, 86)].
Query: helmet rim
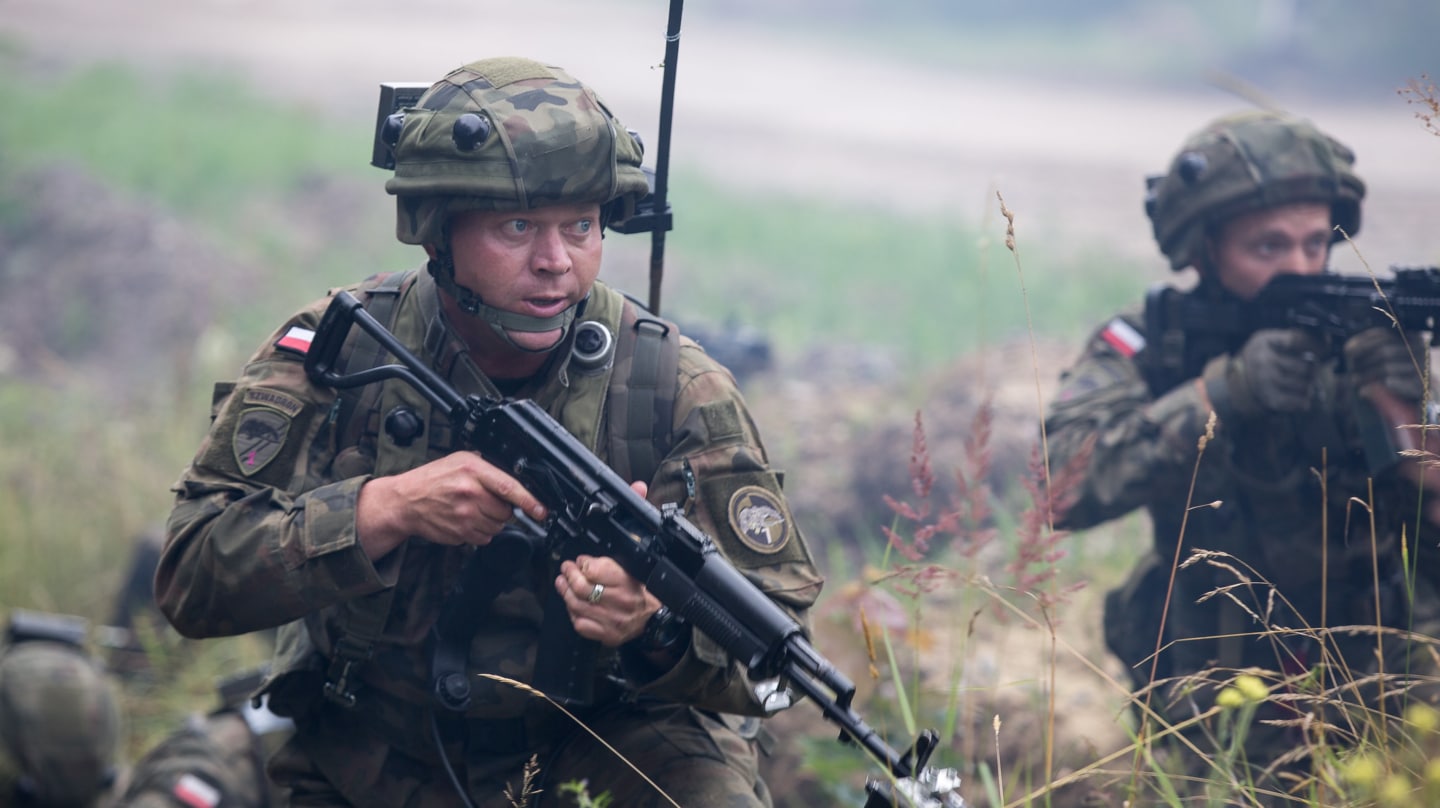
[(1246, 162)]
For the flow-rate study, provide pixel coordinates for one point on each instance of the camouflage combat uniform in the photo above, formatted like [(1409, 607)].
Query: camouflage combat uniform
[(215, 760), (1280, 495), (263, 534), (1277, 498)]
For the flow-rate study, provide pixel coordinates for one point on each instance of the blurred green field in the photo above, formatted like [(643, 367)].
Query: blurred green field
[(804, 270)]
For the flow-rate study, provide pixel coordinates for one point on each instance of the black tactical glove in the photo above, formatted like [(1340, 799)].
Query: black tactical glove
[(1273, 373), (1379, 355)]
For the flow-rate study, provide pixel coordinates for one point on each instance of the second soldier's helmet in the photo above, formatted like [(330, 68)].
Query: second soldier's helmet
[(509, 134), (1245, 162), (60, 725)]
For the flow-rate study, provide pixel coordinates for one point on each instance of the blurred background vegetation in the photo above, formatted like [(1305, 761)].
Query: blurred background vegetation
[(155, 225)]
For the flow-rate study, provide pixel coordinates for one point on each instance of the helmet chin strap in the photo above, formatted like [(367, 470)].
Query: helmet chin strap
[(442, 269)]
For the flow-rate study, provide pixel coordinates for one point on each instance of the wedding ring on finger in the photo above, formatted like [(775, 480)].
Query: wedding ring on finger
[(596, 593)]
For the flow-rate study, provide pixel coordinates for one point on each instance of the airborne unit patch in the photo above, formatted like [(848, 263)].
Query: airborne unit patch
[(259, 435), (759, 519), (274, 399)]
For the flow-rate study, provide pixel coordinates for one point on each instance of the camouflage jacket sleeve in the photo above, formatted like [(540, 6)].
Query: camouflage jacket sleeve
[(256, 537), (1115, 447), (719, 469)]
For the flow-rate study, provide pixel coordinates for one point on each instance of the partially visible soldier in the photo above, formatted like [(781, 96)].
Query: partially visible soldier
[(60, 716), (216, 759), (135, 611), (743, 350), (1249, 197)]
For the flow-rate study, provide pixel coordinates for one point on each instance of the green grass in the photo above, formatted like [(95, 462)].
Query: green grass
[(923, 287)]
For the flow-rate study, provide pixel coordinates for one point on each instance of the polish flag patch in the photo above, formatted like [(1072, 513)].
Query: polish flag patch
[(296, 340), (1123, 337), (196, 793)]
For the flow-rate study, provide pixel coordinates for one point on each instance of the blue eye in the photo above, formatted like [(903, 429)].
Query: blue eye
[(1269, 248), (518, 225), (584, 226)]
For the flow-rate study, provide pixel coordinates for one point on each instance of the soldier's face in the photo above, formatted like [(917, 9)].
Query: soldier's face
[(536, 262), (1254, 247)]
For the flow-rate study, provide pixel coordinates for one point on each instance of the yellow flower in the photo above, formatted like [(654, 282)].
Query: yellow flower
[(1363, 770), (1396, 791), (1247, 689), (1229, 698), (1422, 717), (1251, 687), (1432, 773)]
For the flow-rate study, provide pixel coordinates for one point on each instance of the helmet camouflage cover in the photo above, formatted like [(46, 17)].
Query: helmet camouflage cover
[(1245, 162), (59, 725), (509, 134)]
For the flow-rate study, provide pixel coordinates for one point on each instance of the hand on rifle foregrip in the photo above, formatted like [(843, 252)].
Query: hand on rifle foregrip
[(1273, 373), (1379, 356), (605, 604), (1386, 377)]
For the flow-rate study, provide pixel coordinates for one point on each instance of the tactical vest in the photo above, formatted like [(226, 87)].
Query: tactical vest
[(631, 381), (617, 386)]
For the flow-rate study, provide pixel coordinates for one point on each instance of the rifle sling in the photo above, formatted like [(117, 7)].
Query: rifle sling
[(642, 407), (367, 615)]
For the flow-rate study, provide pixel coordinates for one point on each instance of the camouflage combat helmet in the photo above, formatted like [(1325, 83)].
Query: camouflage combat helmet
[(1245, 162), (59, 726), (507, 134)]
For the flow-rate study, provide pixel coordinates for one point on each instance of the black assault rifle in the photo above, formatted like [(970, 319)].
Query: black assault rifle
[(1190, 329), (593, 511), (1185, 330)]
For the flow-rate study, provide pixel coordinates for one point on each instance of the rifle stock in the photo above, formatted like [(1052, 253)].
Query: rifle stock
[(593, 511)]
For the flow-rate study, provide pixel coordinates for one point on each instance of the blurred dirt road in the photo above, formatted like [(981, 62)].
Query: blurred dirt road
[(761, 110)]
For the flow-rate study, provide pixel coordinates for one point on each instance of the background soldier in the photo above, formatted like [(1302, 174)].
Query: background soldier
[(1249, 197), (217, 759), (351, 521), (60, 717)]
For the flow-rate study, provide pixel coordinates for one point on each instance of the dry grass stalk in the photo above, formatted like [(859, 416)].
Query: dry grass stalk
[(1422, 92), (524, 688), (528, 791)]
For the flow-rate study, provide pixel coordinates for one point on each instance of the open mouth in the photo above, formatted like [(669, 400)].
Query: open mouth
[(546, 306)]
